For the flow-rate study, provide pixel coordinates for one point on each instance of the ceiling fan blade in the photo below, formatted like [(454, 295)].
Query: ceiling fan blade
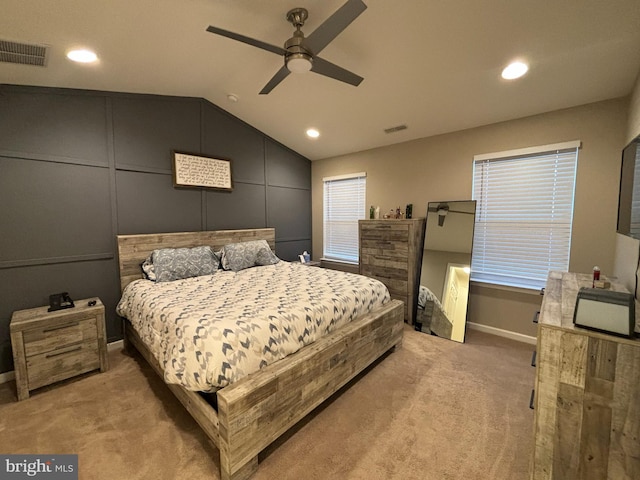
[(250, 41), (333, 25), (328, 69), (275, 80)]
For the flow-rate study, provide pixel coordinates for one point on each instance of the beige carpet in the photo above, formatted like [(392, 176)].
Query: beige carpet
[(433, 409)]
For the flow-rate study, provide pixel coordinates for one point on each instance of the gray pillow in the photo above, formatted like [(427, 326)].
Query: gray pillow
[(238, 256), (177, 263), (266, 257)]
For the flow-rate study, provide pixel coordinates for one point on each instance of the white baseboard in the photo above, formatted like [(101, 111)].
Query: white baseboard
[(117, 345), (519, 337), (9, 376)]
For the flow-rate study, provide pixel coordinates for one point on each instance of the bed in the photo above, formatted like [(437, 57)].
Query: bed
[(255, 409), (430, 316)]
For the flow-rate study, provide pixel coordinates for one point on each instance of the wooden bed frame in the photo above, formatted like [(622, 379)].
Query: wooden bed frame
[(256, 410)]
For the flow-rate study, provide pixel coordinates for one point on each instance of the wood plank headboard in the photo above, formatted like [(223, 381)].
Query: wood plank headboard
[(134, 249)]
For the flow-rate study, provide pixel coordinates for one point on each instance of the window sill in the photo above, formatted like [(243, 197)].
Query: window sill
[(506, 288), (333, 260)]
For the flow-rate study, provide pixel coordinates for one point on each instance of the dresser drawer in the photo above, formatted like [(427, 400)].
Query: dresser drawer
[(50, 338), (384, 273), (384, 259), (384, 246), (387, 230), (403, 299), (62, 363), (397, 288)]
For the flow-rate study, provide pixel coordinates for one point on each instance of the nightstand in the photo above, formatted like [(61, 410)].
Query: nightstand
[(52, 346)]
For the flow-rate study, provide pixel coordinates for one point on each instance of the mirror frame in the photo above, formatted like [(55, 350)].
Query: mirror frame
[(431, 304)]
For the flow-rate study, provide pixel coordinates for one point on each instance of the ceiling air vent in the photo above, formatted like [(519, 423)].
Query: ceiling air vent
[(23, 53), (395, 129)]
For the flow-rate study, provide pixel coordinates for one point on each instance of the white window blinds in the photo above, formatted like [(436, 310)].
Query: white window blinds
[(344, 205), (524, 214)]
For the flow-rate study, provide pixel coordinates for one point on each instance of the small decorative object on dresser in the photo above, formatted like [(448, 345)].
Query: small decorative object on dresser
[(311, 264), (52, 346), (409, 210)]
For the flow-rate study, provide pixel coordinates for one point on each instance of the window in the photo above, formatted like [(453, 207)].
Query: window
[(344, 205), (524, 214)]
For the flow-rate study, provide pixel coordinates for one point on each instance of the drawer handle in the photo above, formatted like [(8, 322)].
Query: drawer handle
[(535, 317), (75, 349), (533, 358), (68, 325), (533, 395)]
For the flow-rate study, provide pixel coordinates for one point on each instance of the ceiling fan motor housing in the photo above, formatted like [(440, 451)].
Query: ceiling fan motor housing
[(298, 58)]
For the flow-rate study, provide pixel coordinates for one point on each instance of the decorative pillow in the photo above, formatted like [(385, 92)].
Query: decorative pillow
[(238, 256), (266, 257), (148, 270), (177, 263)]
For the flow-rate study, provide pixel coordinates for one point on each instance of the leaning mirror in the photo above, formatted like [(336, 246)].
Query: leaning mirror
[(446, 265)]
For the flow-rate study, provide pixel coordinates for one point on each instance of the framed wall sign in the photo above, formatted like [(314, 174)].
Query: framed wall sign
[(193, 170)]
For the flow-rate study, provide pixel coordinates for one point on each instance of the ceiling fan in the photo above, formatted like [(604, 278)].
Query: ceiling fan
[(443, 209), (301, 53), (444, 206)]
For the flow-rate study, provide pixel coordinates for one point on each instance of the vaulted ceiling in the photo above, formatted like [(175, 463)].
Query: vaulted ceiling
[(431, 65)]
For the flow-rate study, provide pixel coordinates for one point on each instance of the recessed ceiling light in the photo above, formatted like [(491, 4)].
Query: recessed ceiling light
[(313, 133), (514, 70), (82, 56)]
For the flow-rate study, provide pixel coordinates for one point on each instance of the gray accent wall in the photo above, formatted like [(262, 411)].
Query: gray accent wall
[(79, 167)]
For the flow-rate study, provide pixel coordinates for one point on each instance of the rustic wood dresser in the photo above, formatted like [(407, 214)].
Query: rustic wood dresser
[(52, 346), (391, 251), (587, 395)]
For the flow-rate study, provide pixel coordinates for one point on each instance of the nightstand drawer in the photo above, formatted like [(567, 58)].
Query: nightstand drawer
[(62, 363), (50, 338)]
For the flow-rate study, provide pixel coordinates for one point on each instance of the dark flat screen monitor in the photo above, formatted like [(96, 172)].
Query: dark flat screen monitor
[(629, 200)]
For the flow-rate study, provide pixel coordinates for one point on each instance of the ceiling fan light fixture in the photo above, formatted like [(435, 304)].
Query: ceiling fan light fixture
[(298, 62), (442, 211)]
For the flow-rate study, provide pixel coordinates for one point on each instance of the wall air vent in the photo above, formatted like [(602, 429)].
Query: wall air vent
[(23, 53), (395, 129)]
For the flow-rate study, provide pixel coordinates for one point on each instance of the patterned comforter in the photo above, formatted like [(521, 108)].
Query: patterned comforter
[(209, 331)]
